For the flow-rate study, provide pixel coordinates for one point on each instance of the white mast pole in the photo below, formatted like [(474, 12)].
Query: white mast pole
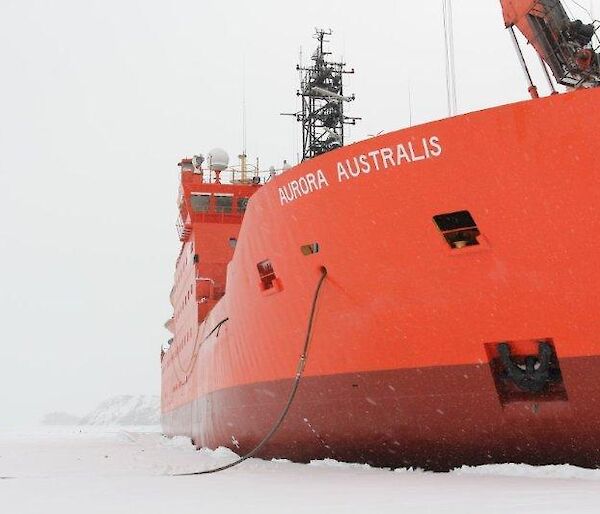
[(450, 68)]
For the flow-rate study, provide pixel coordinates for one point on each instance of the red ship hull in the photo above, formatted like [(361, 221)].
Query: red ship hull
[(437, 418), (404, 367)]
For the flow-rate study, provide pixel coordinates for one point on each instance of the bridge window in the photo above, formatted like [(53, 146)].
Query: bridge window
[(224, 202), (200, 202), (242, 204)]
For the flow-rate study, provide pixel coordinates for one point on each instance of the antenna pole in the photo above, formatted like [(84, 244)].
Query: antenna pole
[(244, 155), (410, 106), (450, 68), (244, 105)]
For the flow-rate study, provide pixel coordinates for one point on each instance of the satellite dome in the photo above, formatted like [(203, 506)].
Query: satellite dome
[(218, 160)]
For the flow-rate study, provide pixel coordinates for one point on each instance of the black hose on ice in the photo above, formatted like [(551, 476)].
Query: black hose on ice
[(293, 391)]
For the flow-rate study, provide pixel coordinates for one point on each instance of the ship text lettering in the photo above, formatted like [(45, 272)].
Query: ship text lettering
[(306, 184), (388, 157)]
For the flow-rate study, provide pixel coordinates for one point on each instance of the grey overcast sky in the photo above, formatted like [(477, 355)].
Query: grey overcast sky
[(98, 101)]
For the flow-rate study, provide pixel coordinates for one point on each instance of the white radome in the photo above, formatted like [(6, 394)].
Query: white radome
[(218, 159)]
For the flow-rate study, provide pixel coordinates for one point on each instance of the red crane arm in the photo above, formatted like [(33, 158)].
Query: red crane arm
[(564, 44)]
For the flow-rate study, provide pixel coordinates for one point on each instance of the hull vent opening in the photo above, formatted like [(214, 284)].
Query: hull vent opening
[(310, 249), (266, 274), (458, 229), (526, 371)]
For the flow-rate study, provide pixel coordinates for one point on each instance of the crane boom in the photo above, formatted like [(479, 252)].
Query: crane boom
[(566, 45)]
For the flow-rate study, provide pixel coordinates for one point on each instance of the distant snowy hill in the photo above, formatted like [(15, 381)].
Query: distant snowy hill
[(60, 418), (118, 410), (125, 410)]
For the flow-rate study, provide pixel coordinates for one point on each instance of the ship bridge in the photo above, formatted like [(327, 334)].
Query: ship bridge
[(212, 201)]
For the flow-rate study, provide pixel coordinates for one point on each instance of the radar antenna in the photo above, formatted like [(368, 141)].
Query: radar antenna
[(321, 89)]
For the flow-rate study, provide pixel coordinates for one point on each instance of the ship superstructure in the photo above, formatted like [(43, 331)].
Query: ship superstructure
[(209, 219)]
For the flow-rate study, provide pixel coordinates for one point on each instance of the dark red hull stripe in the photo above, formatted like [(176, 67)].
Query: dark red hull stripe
[(435, 418)]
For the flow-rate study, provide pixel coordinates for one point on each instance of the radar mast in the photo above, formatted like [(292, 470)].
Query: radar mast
[(322, 92)]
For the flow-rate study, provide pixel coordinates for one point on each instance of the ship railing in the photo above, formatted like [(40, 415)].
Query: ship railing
[(179, 225), (236, 176)]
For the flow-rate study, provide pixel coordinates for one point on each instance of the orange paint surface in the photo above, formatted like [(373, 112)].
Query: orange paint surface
[(397, 295)]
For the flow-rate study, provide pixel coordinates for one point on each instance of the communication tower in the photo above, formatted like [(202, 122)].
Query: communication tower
[(322, 92)]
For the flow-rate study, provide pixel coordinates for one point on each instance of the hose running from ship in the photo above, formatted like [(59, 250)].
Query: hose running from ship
[(196, 348), (294, 389)]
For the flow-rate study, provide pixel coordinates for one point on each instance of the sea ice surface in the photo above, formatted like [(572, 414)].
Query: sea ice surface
[(130, 470)]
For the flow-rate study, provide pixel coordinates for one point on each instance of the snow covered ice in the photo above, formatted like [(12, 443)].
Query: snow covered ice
[(100, 470)]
